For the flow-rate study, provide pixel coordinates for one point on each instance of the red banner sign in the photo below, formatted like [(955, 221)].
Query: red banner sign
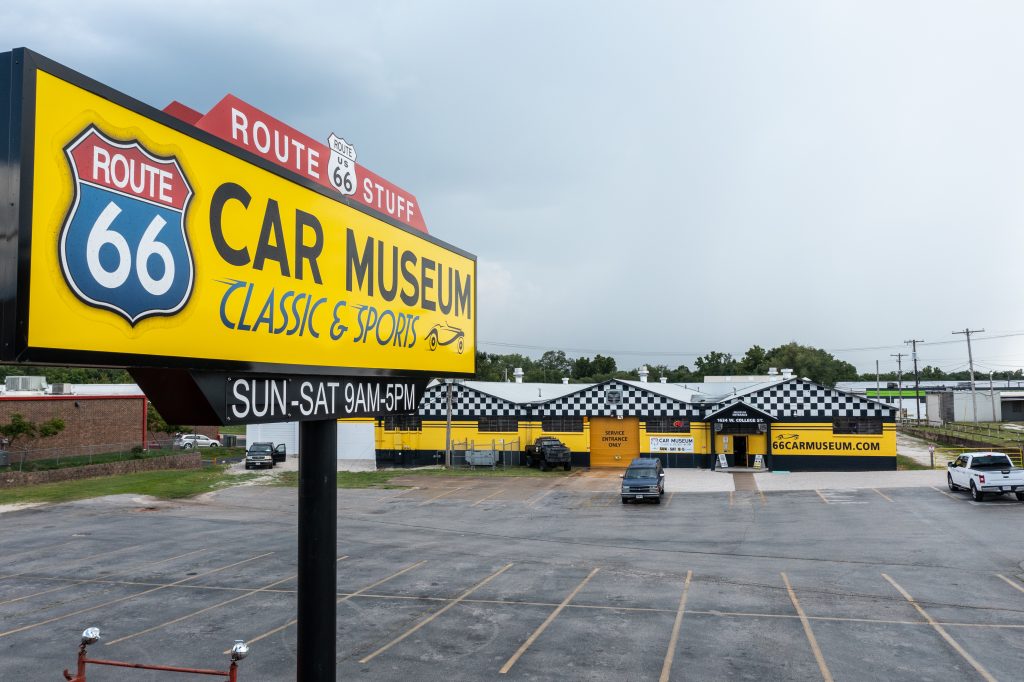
[(333, 167)]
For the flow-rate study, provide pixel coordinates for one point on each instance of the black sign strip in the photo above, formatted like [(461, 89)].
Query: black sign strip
[(208, 398)]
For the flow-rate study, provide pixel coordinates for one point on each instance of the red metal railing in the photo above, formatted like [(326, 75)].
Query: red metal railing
[(231, 674)]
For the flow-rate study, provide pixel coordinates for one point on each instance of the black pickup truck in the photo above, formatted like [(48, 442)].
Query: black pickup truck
[(547, 452)]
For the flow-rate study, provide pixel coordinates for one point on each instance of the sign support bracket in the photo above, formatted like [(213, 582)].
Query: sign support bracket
[(317, 552)]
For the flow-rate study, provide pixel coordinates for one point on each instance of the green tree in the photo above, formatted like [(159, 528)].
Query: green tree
[(21, 428), (755, 361), (716, 364), (814, 363), (582, 367), (604, 365), (682, 374), (498, 367), (155, 422), (69, 375), (554, 365)]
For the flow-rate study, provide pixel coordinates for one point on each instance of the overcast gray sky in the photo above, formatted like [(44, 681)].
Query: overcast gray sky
[(647, 180)]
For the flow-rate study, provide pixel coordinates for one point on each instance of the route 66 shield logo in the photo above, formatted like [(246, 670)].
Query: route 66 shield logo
[(123, 245), (342, 167)]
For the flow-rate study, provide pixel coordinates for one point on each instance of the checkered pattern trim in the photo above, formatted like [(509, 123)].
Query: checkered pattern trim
[(800, 399), (592, 402), (467, 403)]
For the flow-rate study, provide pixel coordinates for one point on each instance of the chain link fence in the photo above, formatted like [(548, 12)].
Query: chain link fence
[(498, 453), (45, 459)]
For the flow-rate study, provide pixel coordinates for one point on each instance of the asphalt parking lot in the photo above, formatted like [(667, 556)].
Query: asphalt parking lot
[(531, 579)]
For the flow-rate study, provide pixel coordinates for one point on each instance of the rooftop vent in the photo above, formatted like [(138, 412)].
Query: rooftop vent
[(565, 380), (518, 374), (643, 372), (663, 380)]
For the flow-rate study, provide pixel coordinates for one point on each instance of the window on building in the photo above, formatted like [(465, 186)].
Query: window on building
[(498, 424), (562, 424), (856, 425), (403, 422), (667, 425)]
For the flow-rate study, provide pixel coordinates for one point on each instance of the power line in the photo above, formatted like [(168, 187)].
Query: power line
[(659, 353)]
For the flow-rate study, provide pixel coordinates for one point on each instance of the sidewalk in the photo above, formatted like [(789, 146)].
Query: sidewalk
[(703, 481)]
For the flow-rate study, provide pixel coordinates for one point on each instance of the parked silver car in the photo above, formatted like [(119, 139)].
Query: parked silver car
[(188, 441)]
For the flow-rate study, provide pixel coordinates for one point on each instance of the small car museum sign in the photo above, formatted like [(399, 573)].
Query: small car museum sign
[(134, 238)]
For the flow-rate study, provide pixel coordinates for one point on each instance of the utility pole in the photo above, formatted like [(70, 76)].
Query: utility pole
[(899, 376), (878, 384), (970, 364), (992, 395), (917, 379)]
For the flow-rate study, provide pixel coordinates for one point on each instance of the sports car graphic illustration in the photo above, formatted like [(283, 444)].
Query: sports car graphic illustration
[(445, 335)]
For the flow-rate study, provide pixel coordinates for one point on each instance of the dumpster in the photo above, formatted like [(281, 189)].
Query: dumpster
[(481, 458)]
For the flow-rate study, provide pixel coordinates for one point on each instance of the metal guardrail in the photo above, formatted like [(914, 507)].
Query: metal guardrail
[(945, 454)]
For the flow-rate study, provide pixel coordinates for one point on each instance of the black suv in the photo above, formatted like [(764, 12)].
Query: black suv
[(644, 480)]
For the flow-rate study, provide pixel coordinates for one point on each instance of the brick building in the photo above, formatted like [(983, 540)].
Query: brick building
[(98, 418)]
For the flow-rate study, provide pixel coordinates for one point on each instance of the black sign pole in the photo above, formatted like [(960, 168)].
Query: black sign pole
[(318, 544)]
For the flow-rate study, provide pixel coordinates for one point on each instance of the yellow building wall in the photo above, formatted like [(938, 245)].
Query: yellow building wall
[(787, 439), (817, 439), (432, 437)]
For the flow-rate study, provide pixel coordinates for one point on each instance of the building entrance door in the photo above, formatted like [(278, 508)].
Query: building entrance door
[(739, 451), (614, 442)]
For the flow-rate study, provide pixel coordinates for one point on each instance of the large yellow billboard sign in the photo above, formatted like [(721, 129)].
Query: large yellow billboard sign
[(155, 244)]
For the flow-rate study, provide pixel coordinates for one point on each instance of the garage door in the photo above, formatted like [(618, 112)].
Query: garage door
[(614, 442)]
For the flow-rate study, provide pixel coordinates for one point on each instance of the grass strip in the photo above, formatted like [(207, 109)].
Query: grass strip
[(166, 485), (904, 463), (383, 479)]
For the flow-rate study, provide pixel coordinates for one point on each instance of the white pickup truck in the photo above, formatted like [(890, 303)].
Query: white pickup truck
[(985, 472)]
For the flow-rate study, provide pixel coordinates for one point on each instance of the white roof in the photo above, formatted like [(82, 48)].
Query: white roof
[(714, 393), (681, 392), (103, 389), (526, 392)]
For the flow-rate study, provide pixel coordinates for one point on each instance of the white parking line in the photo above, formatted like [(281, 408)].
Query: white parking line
[(540, 497), (496, 492), (544, 626), (945, 635), (438, 497), (666, 667), (357, 593), (404, 492), (818, 656), (131, 596), (882, 494), (1011, 583), (431, 617)]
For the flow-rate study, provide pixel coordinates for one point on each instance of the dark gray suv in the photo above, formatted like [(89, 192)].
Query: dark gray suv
[(644, 480)]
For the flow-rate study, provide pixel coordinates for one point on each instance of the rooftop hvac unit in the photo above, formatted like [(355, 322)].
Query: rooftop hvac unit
[(25, 383), (61, 389)]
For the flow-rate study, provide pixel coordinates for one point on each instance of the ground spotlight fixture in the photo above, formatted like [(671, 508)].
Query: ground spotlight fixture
[(90, 636), (239, 651)]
